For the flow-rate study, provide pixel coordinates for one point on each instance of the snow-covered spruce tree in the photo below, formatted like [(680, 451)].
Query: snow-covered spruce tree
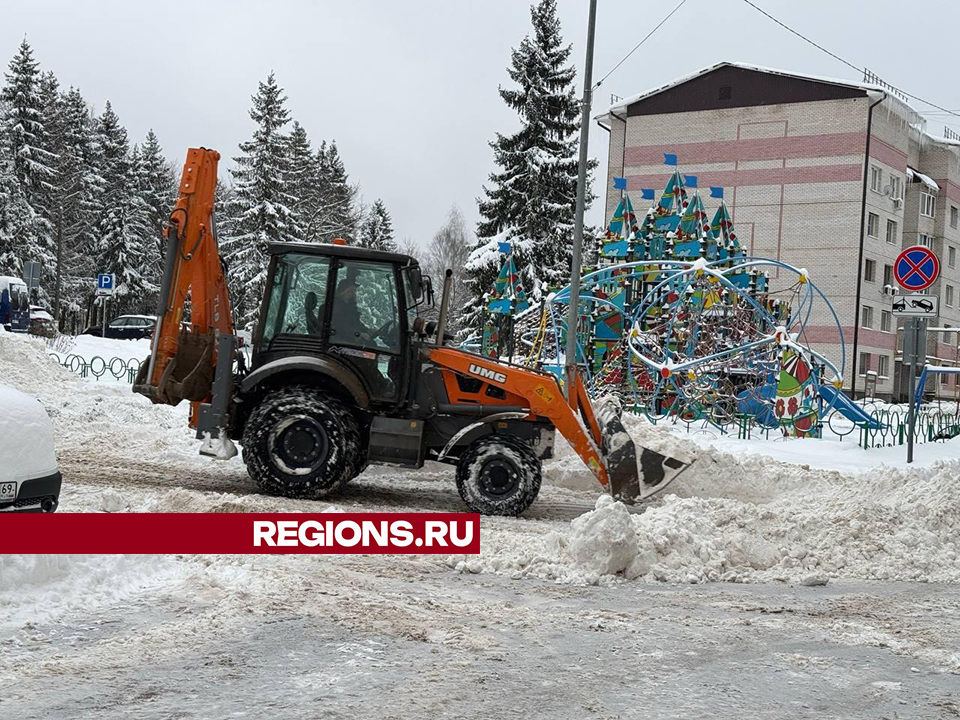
[(79, 208), (377, 230), (337, 212), (531, 199), (303, 179), (260, 212), (157, 183), (27, 144), (123, 217), (16, 216)]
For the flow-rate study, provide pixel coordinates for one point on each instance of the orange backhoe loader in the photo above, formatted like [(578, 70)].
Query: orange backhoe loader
[(345, 372)]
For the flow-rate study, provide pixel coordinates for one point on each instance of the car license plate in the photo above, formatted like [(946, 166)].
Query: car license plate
[(8, 491)]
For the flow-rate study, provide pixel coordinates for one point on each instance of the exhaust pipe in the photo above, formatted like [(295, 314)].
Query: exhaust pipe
[(444, 302)]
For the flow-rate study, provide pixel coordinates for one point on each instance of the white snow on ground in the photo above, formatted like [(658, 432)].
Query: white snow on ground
[(746, 511)]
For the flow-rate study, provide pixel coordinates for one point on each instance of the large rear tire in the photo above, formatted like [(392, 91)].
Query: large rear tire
[(301, 443), (499, 475)]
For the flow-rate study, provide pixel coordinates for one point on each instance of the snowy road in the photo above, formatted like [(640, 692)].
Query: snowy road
[(306, 637), (591, 618)]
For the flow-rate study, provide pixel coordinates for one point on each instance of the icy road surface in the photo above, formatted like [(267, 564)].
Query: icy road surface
[(696, 601)]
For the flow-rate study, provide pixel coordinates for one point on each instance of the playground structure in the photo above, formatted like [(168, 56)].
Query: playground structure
[(682, 324)]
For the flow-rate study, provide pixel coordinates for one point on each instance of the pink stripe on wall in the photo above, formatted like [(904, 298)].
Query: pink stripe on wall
[(888, 154), (869, 339), (776, 148), (953, 191), (761, 176)]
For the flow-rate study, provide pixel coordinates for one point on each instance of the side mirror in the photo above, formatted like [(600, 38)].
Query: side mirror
[(416, 282)]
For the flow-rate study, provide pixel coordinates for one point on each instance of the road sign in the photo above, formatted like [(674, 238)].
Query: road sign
[(916, 268), (927, 306), (105, 284), (31, 274)]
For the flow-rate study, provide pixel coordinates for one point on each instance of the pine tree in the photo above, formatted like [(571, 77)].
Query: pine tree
[(158, 191), (337, 213), (377, 230), (26, 141), (261, 210), (122, 225), (531, 200), (78, 210), (303, 181)]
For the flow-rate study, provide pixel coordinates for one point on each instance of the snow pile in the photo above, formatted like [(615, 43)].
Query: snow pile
[(37, 587), (603, 541), (747, 518)]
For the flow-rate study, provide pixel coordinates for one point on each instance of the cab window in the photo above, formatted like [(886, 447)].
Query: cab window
[(298, 296), (365, 310)]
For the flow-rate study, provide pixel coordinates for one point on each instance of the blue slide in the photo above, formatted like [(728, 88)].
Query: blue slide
[(850, 410)]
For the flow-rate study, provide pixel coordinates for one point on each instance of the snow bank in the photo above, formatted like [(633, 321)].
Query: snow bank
[(34, 588), (747, 518)]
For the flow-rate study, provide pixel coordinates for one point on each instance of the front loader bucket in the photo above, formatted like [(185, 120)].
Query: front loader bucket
[(631, 481), (187, 376)]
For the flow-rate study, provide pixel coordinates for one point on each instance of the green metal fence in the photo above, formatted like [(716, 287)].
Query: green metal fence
[(120, 369)]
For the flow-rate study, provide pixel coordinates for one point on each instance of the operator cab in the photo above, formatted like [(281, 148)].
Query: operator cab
[(356, 306)]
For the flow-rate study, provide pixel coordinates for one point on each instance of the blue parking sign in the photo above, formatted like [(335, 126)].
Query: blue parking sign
[(105, 281)]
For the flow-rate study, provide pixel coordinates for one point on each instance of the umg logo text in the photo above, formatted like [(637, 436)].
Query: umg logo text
[(488, 374)]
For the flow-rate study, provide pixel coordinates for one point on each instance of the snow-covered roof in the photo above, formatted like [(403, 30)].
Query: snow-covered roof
[(917, 176), (622, 105), (10, 280)]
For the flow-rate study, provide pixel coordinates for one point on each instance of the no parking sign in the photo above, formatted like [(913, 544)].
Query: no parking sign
[(916, 268)]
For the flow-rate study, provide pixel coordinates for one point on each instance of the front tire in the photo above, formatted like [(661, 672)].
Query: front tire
[(499, 475), (301, 443)]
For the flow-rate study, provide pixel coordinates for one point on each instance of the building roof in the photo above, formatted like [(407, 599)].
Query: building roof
[(622, 105)]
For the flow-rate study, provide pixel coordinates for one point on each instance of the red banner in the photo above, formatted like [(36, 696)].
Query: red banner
[(240, 533)]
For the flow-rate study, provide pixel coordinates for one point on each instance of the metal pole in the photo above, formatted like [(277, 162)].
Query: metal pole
[(103, 326), (863, 229), (917, 328), (573, 310)]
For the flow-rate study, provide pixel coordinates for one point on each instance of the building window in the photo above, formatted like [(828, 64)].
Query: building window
[(891, 231), (888, 274), (928, 204), (876, 179), (883, 365), (925, 240), (895, 186), (949, 298), (866, 317), (864, 362), (954, 216), (886, 320), (952, 256), (873, 225), (869, 270)]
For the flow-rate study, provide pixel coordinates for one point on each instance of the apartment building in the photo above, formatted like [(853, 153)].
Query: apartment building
[(833, 176)]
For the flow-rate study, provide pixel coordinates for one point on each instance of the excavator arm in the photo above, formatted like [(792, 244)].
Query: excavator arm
[(184, 353), (597, 436)]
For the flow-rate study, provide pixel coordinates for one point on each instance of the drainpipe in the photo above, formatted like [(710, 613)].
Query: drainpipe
[(863, 234)]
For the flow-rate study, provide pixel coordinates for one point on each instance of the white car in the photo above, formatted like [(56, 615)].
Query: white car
[(29, 476)]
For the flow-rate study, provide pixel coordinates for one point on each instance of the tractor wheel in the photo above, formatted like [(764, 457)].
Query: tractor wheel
[(499, 475), (301, 443)]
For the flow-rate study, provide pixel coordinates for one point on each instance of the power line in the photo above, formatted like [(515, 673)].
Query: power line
[(845, 62), (637, 47)]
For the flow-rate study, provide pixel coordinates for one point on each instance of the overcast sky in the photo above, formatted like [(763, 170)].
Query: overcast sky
[(409, 89)]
